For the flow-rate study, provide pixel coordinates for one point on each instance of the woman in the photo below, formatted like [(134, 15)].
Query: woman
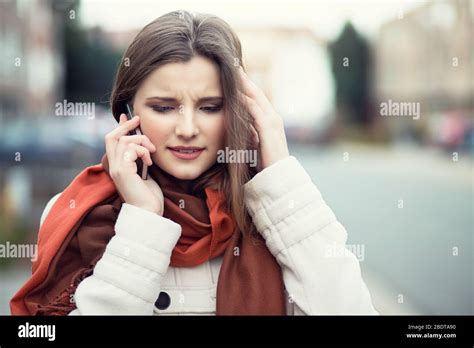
[(200, 235)]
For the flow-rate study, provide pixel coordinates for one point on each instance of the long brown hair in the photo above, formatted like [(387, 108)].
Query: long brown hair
[(178, 36)]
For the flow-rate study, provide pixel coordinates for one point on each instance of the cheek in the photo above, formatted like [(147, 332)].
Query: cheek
[(215, 130), (158, 132)]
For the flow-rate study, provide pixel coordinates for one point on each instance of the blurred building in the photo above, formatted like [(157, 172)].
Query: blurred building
[(426, 56), (292, 67), (119, 40), (31, 66), (31, 82)]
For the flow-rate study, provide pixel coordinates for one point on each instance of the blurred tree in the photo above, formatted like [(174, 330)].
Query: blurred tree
[(90, 62), (350, 60)]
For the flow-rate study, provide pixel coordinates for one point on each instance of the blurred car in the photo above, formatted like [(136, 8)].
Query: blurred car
[(54, 141)]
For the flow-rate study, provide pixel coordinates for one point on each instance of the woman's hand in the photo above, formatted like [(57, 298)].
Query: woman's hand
[(268, 128), (122, 152)]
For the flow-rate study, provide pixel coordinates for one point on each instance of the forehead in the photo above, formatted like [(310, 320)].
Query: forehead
[(197, 77)]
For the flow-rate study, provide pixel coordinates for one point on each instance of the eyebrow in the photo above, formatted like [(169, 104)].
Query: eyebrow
[(174, 100)]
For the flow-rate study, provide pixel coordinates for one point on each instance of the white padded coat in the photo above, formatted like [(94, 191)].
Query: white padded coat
[(299, 229)]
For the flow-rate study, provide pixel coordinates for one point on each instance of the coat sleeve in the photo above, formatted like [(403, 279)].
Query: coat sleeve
[(127, 278), (302, 232)]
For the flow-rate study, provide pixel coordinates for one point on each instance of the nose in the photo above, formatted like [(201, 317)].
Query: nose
[(186, 126)]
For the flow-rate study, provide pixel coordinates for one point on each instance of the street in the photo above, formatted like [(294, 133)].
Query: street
[(412, 208)]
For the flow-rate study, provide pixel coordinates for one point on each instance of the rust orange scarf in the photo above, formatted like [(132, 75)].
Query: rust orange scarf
[(78, 227)]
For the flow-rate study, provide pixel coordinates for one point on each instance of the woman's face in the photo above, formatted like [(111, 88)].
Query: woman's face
[(181, 104)]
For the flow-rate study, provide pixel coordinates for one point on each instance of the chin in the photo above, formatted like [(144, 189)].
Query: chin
[(185, 174), (182, 171)]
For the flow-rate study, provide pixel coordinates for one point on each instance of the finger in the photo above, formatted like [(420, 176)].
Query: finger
[(253, 91), (124, 128), (138, 139), (133, 152), (123, 118), (253, 108), (255, 138), (141, 140), (110, 143)]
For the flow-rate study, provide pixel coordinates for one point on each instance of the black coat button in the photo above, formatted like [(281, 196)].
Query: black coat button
[(163, 301)]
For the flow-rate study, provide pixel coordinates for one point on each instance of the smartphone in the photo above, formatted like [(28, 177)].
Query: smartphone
[(142, 167)]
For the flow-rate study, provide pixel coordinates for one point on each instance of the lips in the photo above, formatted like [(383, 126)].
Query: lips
[(186, 149), (186, 152)]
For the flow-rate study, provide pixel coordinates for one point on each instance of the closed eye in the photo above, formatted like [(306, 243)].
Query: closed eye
[(211, 109), (208, 109), (162, 109)]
